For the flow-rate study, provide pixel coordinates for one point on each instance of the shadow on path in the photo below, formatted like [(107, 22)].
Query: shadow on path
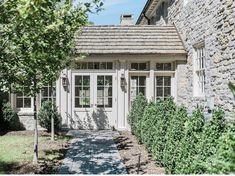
[(93, 152)]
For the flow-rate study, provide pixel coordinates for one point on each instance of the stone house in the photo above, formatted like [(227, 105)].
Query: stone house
[(207, 29), (179, 48)]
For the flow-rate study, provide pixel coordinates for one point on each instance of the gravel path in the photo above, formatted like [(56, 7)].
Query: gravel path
[(129, 150)]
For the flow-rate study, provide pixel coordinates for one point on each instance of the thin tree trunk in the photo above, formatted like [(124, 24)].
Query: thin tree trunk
[(52, 115), (35, 154)]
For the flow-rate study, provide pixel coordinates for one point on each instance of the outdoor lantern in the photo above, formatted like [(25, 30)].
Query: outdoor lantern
[(123, 82), (64, 80)]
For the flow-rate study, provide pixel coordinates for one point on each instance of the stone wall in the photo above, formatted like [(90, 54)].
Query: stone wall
[(211, 21)]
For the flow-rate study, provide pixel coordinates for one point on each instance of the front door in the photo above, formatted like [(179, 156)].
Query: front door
[(93, 101)]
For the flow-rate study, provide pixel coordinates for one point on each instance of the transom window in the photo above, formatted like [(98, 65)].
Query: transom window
[(46, 93), (95, 65), (23, 100), (139, 66), (138, 85), (82, 91), (199, 67), (163, 87), (163, 66), (104, 91)]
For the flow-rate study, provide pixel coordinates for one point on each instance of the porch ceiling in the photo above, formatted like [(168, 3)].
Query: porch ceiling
[(134, 39)]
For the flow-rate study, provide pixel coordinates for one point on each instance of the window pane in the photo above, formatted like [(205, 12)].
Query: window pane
[(90, 65), (84, 65), (86, 80), (77, 103), (167, 66), (142, 90), (102, 65), (86, 102), (142, 81), (100, 80), (27, 102), (78, 80), (110, 103), (44, 91), (160, 80), (108, 81), (19, 102), (159, 91), (134, 81), (100, 92), (142, 66), (86, 91), (96, 65), (100, 102), (109, 65), (134, 66), (167, 81), (78, 91), (50, 91), (159, 66), (167, 91), (110, 92)]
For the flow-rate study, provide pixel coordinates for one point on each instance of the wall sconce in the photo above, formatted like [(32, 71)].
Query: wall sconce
[(123, 81), (64, 79)]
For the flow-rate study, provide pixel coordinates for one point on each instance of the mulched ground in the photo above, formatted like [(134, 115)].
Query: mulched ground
[(130, 150), (46, 165)]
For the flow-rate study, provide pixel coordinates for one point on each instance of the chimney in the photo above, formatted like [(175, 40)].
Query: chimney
[(126, 19)]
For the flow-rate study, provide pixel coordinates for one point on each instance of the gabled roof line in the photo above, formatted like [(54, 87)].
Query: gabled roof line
[(144, 10)]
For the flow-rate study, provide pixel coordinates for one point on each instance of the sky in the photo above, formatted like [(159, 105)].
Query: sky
[(113, 9)]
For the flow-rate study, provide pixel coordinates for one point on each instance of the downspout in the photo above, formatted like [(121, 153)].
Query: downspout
[(144, 15)]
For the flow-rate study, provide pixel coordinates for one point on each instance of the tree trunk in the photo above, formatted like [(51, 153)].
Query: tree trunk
[(52, 115), (35, 154)]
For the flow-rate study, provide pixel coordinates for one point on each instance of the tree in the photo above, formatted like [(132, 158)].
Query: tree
[(37, 38)]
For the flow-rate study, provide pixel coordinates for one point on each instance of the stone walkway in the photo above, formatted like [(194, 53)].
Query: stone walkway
[(92, 152)]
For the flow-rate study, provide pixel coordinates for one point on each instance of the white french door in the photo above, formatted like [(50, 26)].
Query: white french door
[(93, 100)]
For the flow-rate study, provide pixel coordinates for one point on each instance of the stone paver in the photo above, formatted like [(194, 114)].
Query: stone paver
[(92, 152)]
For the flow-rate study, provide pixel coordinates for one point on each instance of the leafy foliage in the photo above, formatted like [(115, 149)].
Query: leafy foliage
[(11, 120), (46, 113), (186, 145), (136, 114), (175, 133)]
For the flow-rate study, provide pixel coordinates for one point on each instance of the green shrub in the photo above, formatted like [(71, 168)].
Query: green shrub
[(223, 161), (188, 145), (175, 133), (148, 123), (136, 113), (164, 115), (44, 116), (208, 144), (10, 118)]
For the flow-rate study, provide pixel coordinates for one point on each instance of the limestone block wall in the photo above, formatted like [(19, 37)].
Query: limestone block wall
[(211, 21)]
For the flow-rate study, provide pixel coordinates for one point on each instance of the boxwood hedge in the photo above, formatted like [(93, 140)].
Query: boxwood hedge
[(181, 143)]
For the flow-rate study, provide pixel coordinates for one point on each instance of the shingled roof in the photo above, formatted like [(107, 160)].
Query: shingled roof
[(134, 39)]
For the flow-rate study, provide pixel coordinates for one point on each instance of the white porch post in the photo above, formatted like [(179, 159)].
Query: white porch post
[(152, 81)]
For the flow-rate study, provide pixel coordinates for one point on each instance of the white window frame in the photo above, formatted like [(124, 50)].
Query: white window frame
[(199, 68), (23, 108), (163, 86), (49, 96)]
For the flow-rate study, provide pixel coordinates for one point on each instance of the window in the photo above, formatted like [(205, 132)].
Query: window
[(199, 73), (82, 91), (138, 85), (104, 91), (23, 101), (139, 66), (163, 87), (95, 65), (46, 93), (163, 66)]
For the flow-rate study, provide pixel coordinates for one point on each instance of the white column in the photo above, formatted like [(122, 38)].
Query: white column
[(152, 81)]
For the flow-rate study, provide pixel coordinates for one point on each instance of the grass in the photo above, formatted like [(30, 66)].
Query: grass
[(16, 150)]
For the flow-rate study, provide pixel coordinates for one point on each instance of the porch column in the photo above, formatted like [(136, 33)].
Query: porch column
[(152, 81)]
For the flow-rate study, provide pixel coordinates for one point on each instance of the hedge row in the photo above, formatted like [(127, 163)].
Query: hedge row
[(183, 144)]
